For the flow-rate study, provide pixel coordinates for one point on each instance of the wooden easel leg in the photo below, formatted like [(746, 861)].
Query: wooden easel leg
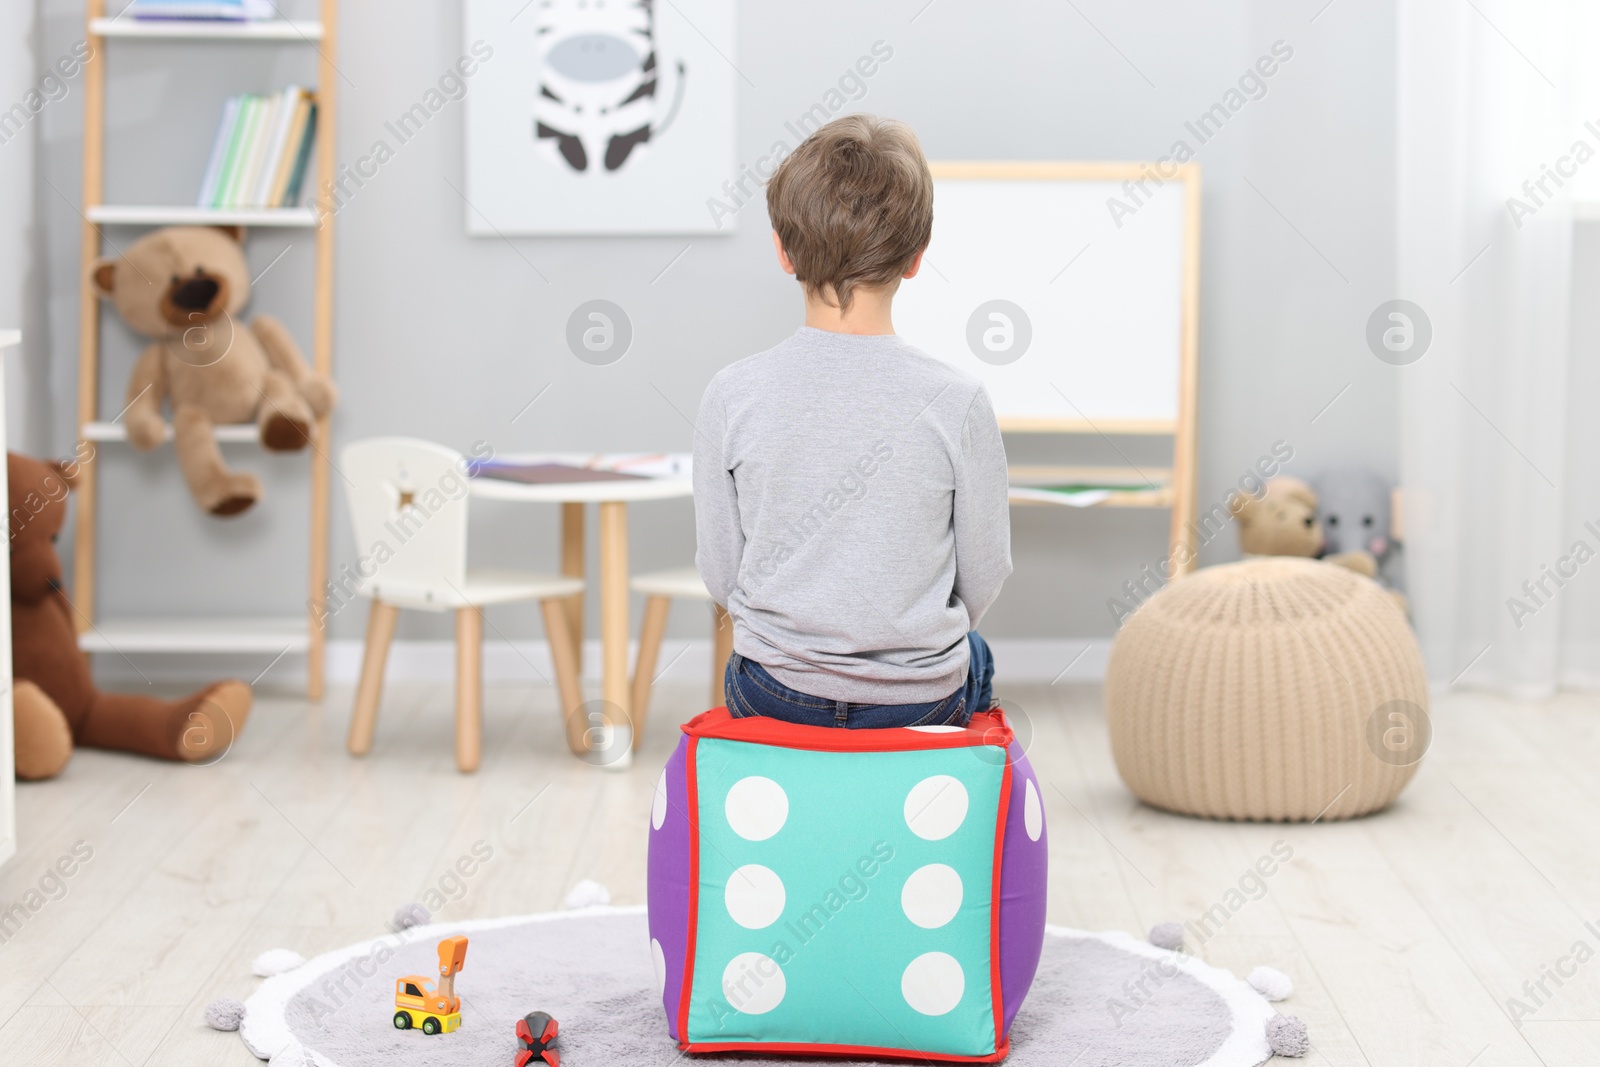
[(469, 688), (1185, 440), (651, 631), (89, 246), (317, 654), (364, 716)]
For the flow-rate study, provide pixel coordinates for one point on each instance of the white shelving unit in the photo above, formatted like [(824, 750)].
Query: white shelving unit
[(240, 634), (203, 634), (8, 755), (171, 29), (244, 433), (174, 215)]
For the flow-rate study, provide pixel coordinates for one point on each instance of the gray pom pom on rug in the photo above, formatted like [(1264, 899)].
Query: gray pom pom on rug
[(1287, 1035), (1168, 936), (225, 1013)]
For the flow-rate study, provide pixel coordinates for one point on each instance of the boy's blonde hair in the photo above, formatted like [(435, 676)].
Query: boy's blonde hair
[(853, 205)]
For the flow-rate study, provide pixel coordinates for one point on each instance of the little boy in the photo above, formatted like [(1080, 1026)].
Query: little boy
[(850, 491)]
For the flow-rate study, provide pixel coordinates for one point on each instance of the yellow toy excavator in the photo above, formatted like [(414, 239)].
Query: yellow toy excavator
[(430, 1006)]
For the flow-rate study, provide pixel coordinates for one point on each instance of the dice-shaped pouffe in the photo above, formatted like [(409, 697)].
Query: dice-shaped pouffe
[(822, 891)]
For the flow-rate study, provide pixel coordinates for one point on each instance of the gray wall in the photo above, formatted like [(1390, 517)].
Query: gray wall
[(448, 337)]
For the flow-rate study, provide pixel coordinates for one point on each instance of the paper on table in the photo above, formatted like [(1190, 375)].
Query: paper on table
[(1072, 498), (656, 465), (548, 473), (601, 467)]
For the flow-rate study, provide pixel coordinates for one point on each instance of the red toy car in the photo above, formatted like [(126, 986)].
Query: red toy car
[(536, 1032)]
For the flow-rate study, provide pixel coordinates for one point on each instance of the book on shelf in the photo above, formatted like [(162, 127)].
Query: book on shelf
[(219, 149), (260, 151), (302, 161), (203, 10), (297, 146), (260, 145), (238, 135)]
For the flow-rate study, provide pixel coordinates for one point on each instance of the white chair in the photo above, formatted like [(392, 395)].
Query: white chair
[(408, 504), (660, 589)]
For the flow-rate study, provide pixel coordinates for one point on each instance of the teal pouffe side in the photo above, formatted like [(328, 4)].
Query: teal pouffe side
[(847, 892)]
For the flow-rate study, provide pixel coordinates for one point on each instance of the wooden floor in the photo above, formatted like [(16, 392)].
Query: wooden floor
[(1406, 934)]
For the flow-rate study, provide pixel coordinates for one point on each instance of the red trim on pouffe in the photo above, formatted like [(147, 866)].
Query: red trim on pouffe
[(849, 1050), (994, 901), (692, 800), (986, 728)]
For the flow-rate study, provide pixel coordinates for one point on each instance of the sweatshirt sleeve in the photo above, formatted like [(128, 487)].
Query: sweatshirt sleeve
[(982, 511), (719, 537)]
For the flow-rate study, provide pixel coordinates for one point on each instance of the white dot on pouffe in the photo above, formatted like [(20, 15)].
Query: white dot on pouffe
[(933, 983), (754, 896), (936, 807), (937, 729), (753, 983), (658, 806), (756, 808), (1032, 812), (931, 896), (659, 958)]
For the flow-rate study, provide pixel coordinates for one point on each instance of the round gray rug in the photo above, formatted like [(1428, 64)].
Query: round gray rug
[(1100, 1000)]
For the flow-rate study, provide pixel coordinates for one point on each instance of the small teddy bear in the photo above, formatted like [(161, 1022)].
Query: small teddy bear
[(183, 287), (55, 702)]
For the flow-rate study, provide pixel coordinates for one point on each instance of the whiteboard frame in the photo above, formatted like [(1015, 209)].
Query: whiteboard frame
[(1180, 495)]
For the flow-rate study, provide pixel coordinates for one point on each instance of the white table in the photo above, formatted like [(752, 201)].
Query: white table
[(670, 478)]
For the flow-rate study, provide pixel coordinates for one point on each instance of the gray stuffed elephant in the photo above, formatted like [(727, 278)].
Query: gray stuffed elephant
[(1356, 507)]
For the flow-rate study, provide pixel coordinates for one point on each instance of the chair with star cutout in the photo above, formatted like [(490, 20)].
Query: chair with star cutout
[(408, 506)]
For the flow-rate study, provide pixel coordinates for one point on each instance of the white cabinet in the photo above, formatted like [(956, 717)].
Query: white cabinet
[(8, 762)]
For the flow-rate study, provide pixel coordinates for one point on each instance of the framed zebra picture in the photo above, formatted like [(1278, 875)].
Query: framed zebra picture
[(598, 116)]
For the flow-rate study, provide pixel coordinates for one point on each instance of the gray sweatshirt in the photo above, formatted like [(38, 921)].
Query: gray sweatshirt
[(851, 514)]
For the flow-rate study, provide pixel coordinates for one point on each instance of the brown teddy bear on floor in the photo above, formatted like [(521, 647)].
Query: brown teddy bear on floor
[(182, 287), (55, 702)]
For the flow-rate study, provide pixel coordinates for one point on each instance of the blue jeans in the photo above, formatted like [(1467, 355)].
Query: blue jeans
[(752, 691)]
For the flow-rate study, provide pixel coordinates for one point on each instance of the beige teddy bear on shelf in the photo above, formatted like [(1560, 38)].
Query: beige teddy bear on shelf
[(183, 287)]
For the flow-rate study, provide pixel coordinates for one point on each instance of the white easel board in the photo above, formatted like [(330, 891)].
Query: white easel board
[(1072, 291), (1101, 290)]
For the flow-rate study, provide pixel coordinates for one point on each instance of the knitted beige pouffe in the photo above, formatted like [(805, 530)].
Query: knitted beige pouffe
[(1275, 689)]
